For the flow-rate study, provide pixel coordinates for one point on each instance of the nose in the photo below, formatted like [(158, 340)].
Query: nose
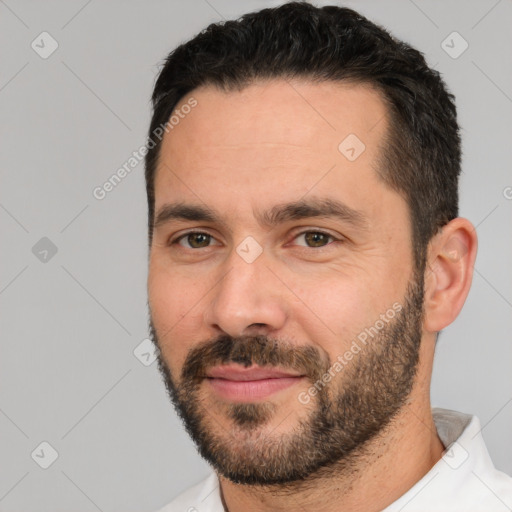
[(247, 300)]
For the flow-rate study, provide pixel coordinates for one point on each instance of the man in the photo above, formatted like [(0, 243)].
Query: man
[(305, 251)]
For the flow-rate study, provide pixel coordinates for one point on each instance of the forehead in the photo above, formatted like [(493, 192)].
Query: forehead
[(280, 112), (275, 141)]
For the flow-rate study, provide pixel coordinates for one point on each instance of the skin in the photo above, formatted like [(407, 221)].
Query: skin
[(242, 153)]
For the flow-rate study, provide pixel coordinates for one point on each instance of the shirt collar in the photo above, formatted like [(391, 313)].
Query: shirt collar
[(463, 478), (462, 475)]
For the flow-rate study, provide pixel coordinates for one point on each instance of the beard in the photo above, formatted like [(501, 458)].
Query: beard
[(335, 426)]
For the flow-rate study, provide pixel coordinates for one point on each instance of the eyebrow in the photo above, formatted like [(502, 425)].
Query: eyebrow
[(279, 214)]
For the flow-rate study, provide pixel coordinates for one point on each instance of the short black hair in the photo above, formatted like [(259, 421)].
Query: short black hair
[(421, 157)]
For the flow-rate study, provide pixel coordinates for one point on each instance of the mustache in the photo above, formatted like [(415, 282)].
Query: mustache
[(258, 350)]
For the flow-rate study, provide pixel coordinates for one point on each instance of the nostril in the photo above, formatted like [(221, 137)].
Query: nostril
[(257, 325)]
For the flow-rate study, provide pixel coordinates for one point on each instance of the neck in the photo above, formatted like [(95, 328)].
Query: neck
[(370, 479)]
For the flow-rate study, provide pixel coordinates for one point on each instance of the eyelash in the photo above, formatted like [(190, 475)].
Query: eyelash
[(319, 231)]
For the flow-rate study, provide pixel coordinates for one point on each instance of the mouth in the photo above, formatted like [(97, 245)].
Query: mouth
[(240, 384)]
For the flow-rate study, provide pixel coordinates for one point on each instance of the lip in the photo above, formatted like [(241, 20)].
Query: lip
[(237, 383), (240, 373)]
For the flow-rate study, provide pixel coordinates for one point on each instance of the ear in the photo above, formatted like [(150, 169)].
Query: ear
[(448, 274)]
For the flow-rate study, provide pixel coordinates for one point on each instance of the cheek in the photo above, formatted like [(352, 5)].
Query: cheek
[(175, 311), (331, 316)]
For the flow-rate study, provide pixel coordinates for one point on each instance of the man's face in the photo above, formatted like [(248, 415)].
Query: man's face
[(287, 339)]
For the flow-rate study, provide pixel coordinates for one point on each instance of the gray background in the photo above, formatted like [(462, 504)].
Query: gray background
[(71, 321)]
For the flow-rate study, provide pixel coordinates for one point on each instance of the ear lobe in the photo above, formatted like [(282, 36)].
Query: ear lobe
[(449, 272)]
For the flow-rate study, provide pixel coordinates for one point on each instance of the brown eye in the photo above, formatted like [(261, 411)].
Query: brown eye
[(195, 240), (315, 238)]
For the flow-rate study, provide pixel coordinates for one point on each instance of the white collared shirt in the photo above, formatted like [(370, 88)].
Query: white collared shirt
[(463, 480)]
